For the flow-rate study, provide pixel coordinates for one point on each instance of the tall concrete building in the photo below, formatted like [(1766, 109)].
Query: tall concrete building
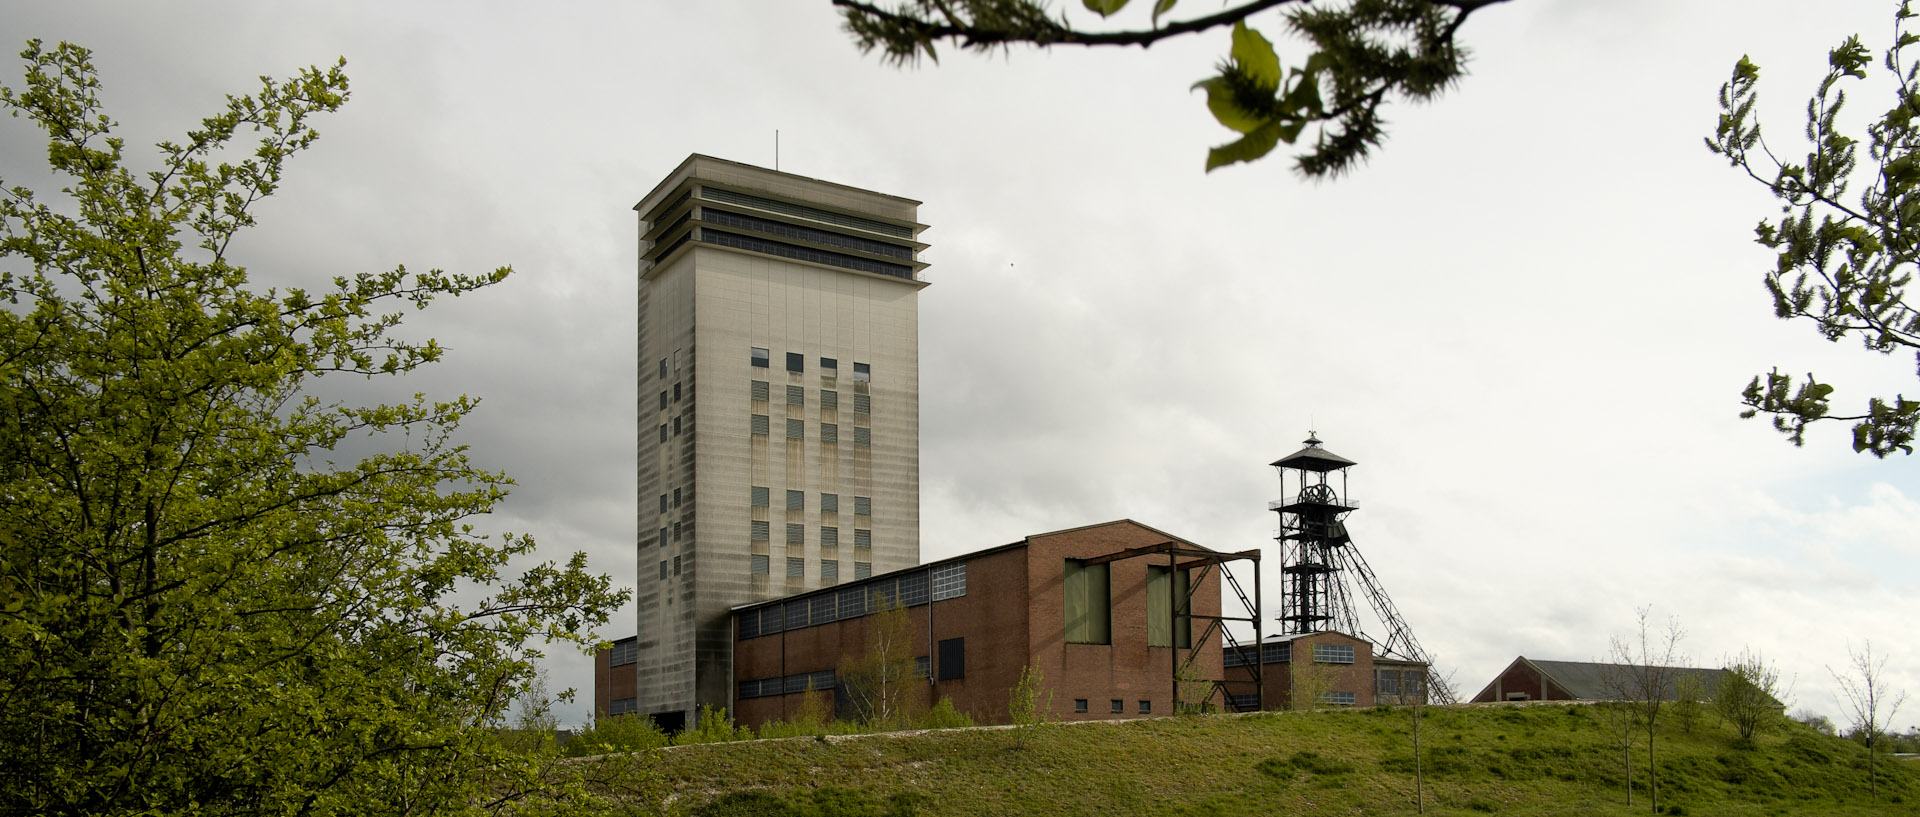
[(779, 409)]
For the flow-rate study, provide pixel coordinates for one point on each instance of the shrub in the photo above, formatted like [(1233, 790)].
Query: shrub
[(713, 726), (944, 716), (617, 733)]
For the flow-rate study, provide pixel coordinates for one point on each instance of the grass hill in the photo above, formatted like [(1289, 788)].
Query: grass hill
[(1522, 760)]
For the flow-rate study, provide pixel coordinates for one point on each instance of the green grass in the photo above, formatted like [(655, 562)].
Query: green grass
[(1530, 760)]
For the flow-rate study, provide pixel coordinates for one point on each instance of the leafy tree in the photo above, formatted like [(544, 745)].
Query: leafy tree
[(1749, 695), (1871, 703), (1843, 262), (881, 684), (200, 610), (1029, 704), (1364, 52)]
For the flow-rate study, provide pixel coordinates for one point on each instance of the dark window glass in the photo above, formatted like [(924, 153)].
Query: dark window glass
[(663, 401), (830, 365), (1079, 704), (953, 659), (862, 373), (676, 392), (796, 362), (1119, 706), (761, 359), (663, 432)]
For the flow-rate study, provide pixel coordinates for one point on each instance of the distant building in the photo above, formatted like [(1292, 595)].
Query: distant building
[(1340, 670), (779, 413), (1528, 680), (1110, 614)]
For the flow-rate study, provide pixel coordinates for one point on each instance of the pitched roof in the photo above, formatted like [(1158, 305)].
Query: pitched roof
[(1594, 681)]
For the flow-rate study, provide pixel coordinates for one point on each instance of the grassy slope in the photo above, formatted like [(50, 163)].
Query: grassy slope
[(1534, 760)]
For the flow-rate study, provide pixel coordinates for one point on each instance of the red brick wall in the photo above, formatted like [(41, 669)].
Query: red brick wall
[(1127, 669), (1277, 679), (611, 683), (1520, 677)]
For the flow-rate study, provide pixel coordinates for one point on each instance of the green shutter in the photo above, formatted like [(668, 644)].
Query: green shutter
[(1089, 600), (1159, 607)]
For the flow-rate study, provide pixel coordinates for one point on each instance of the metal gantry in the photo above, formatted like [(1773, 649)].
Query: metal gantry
[(1318, 557), (1202, 561)]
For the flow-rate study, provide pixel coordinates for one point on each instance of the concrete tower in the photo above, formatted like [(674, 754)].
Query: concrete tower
[(779, 408)]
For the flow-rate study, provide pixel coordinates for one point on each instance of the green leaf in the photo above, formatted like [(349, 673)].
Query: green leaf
[(1162, 7), (1226, 110), (1105, 7), (1254, 145), (1255, 56)]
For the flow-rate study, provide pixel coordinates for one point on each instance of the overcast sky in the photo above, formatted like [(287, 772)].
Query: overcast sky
[(1528, 318)]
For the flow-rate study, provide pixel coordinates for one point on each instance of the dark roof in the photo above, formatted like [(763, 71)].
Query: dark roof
[(1591, 681), (1314, 458)]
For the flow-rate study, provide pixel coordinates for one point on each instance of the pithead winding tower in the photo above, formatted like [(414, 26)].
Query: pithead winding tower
[(1318, 558)]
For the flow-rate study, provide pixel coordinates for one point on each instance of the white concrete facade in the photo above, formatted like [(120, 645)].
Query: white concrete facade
[(736, 259)]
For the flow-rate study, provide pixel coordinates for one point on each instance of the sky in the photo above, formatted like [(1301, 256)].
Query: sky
[(1528, 317)]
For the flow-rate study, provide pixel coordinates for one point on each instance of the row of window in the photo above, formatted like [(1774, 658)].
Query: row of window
[(761, 497), (663, 392), (762, 565), (918, 587), (663, 568), (953, 667), (797, 363), (1282, 652), (1116, 706), (1398, 682), (760, 530), (761, 425), (762, 391), (623, 706)]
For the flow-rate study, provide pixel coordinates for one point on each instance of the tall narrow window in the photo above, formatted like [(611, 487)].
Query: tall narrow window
[(761, 359), (676, 497), (1089, 603), (663, 432), (862, 372), (676, 392), (663, 537), (663, 368), (796, 362), (676, 426), (663, 562), (663, 503), (663, 401), (676, 565), (953, 659), (1168, 618)]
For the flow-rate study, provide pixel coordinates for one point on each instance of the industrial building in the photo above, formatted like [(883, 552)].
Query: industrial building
[(1529, 680), (772, 307)]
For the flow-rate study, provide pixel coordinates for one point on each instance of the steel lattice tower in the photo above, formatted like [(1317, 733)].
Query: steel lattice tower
[(1317, 558)]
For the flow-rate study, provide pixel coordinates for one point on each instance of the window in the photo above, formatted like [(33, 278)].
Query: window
[(1146, 707), (663, 368), (829, 537), (663, 401), (663, 537), (863, 506), (796, 362), (676, 565), (676, 426), (796, 567), (759, 390), (862, 570), (676, 531), (829, 367), (862, 538), (829, 399), (852, 602), (1080, 705), (1333, 654), (796, 395), (759, 498), (796, 500), (1118, 706), (820, 609), (1337, 698), (796, 429), (761, 564), (663, 433), (829, 433), (1387, 682), (760, 530), (676, 497), (1168, 597), (663, 570), (676, 392), (829, 570), (760, 358), (1089, 604), (830, 502), (953, 659), (796, 533), (862, 373), (949, 581), (759, 425), (625, 651), (922, 667), (863, 404), (862, 437), (623, 706), (663, 503)]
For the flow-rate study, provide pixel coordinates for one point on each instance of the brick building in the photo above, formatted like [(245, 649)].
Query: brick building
[(1336, 668), (1529, 680), (1107, 613)]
